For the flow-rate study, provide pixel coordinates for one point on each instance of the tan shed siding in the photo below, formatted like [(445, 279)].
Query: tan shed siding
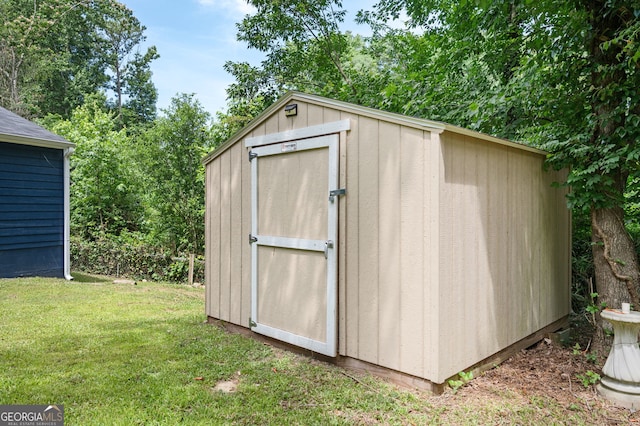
[(388, 261), (433, 177), (235, 229), (367, 248), (302, 119), (228, 268), (286, 123), (411, 318), (389, 319), (500, 272), (432, 233), (270, 125), (315, 115), (530, 234), (225, 236), (212, 240), (331, 114), (499, 212)]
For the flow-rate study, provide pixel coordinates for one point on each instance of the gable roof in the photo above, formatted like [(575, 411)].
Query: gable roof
[(15, 129), (405, 120)]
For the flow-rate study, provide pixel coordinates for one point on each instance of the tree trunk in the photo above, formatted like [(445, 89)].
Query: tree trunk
[(616, 269), (614, 255)]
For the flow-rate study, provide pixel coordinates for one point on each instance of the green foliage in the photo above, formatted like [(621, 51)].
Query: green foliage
[(134, 260), (142, 95), (104, 196), (55, 53), (305, 50), (589, 378), (119, 36), (577, 349), (171, 158), (594, 307), (464, 379), (590, 357), (47, 60)]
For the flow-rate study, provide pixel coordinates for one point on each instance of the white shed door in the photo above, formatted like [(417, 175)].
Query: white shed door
[(293, 242)]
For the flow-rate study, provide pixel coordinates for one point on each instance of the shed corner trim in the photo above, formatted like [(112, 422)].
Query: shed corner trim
[(306, 132)]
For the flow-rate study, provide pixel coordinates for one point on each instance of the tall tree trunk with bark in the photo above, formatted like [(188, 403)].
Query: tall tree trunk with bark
[(616, 267), (615, 259)]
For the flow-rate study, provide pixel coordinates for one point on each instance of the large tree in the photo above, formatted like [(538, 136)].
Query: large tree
[(47, 61), (105, 197), (53, 53), (173, 149), (121, 35), (305, 50), (559, 75), (565, 76)]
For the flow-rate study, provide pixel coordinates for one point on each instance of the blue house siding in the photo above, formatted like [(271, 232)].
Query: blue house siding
[(31, 211)]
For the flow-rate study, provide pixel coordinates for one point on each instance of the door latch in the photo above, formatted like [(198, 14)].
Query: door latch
[(327, 246), (336, 192)]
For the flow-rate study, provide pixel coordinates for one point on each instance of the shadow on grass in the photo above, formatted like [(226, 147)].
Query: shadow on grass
[(87, 278)]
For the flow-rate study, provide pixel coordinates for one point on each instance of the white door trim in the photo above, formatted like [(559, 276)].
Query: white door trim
[(329, 246), (295, 134)]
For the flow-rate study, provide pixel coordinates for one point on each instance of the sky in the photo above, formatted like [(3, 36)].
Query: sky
[(196, 37)]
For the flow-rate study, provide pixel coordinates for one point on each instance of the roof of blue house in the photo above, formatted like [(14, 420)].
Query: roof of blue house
[(16, 129)]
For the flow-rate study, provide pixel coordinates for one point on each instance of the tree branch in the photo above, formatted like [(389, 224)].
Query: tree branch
[(327, 46)]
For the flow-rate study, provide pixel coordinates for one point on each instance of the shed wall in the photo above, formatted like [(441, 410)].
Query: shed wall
[(227, 228), (504, 250), (391, 255), (31, 211)]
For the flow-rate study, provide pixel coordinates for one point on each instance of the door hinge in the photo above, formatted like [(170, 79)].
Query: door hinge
[(336, 192), (252, 155), (252, 323), (252, 239)]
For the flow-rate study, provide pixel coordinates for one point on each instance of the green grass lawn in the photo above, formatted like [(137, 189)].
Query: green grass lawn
[(143, 355), (129, 355)]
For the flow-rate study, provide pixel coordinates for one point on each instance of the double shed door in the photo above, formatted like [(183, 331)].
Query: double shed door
[(293, 242)]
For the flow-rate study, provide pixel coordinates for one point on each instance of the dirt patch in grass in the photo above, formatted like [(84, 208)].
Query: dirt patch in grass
[(226, 386)]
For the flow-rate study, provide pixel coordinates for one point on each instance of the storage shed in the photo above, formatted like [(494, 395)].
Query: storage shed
[(34, 200), (400, 244)]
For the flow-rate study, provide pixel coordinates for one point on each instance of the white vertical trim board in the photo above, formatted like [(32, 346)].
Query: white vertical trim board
[(332, 251), (67, 212)]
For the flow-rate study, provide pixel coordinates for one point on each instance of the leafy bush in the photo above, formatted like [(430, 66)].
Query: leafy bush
[(123, 259)]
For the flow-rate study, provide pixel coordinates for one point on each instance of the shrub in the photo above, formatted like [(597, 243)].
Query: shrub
[(108, 257)]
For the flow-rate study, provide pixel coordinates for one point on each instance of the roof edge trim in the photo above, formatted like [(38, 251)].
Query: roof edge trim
[(44, 143), (420, 123)]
